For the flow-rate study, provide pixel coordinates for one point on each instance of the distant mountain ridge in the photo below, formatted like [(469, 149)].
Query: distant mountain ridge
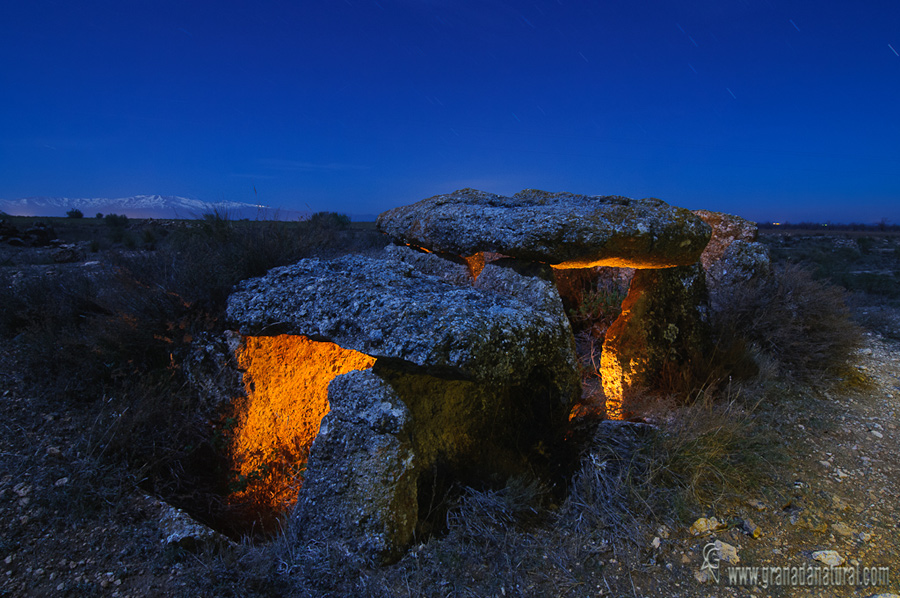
[(136, 206)]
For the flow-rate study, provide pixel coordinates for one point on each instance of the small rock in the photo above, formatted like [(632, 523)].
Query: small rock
[(877, 434), (53, 451), (655, 543), (704, 526), (865, 536), (61, 482), (180, 530), (842, 529), (828, 557), (727, 552), (756, 504), (750, 528)]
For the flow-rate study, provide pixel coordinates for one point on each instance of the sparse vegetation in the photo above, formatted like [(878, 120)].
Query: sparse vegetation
[(74, 213), (116, 220)]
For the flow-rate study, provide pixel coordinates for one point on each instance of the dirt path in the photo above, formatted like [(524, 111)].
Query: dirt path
[(839, 492)]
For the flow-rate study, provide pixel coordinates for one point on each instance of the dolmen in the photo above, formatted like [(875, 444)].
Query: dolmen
[(474, 369)]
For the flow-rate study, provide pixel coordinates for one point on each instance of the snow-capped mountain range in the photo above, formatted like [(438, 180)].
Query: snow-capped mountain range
[(137, 206)]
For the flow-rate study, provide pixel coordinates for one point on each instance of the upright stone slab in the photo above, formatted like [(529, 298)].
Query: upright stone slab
[(733, 256), (726, 228), (360, 490), (564, 230), (660, 331)]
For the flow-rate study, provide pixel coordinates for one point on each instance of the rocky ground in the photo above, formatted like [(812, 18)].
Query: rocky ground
[(840, 491)]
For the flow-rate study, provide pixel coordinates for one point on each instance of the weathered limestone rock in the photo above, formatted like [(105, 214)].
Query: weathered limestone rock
[(562, 229), (660, 331), (361, 479), (741, 263), (389, 310), (726, 228), (472, 381), (454, 271), (179, 529), (733, 256)]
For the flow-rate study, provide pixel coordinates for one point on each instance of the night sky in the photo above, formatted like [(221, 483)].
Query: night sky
[(773, 110)]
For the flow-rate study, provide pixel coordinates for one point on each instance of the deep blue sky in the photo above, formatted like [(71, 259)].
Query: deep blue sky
[(773, 110)]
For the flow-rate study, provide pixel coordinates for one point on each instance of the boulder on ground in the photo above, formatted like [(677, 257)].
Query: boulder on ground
[(562, 229), (472, 382)]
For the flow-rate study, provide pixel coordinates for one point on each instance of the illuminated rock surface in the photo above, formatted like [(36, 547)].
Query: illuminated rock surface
[(660, 332), (562, 229), (286, 379), (472, 381)]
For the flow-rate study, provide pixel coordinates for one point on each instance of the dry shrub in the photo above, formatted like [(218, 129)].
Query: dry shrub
[(801, 322), (714, 447), (613, 483)]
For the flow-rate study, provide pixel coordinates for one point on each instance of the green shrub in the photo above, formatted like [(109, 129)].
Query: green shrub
[(74, 213), (329, 220), (116, 220)]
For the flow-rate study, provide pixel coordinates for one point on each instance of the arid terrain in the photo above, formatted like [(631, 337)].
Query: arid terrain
[(100, 427)]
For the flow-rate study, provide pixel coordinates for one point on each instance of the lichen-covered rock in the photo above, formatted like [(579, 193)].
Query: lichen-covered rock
[(360, 488), (562, 229), (726, 228), (390, 310), (528, 282), (452, 269), (741, 263), (472, 381), (660, 332), (179, 529)]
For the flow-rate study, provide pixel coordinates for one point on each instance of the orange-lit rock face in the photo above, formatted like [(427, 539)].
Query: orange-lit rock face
[(475, 263), (286, 380)]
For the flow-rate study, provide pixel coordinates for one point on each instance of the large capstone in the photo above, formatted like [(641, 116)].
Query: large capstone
[(390, 310), (472, 382), (564, 230)]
